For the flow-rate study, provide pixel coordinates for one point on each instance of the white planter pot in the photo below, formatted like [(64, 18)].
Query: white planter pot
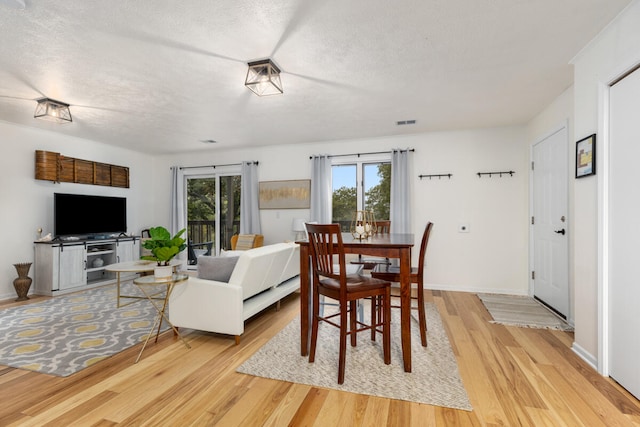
[(163, 272)]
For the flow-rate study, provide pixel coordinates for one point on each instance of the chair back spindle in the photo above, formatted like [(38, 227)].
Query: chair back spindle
[(323, 251)]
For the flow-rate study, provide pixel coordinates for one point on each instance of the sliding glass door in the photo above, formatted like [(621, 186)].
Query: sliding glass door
[(213, 213)]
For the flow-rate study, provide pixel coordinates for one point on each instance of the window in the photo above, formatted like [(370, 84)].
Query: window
[(360, 185), (213, 213)]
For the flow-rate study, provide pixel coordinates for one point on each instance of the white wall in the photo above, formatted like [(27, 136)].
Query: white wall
[(609, 55), (492, 257), (27, 203)]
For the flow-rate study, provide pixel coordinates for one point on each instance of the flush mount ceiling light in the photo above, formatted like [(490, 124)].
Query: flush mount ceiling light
[(52, 110), (263, 78)]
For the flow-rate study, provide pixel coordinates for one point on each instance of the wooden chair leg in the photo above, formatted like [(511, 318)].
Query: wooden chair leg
[(379, 312), (237, 339), (314, 329), (353, 324), (373, 319), (343, 345), (422, 317), (386, 327)]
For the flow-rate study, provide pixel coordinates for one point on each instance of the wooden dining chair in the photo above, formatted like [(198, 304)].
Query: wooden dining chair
[(325, 242), (382, 227), (350, 269), (392, 274)]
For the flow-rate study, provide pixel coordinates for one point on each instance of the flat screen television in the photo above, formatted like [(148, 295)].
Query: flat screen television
[(85, 215)]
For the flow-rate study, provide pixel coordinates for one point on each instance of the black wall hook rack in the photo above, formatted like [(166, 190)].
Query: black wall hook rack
[(510, 173), (439, 176)]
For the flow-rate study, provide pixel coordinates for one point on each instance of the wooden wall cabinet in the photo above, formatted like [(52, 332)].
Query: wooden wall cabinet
[(51, 166)]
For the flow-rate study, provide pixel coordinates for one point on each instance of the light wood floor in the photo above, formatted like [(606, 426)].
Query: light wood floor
[(513, 376)]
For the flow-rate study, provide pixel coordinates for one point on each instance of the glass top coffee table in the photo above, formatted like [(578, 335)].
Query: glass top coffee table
[(141, 267), (151, 287)]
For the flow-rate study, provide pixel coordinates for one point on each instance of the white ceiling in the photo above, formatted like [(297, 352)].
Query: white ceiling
[(159, 76)]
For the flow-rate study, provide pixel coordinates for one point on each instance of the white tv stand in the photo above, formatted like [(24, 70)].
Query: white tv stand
[(65, 266)]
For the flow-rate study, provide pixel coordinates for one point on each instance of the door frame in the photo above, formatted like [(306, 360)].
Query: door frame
[(555, 129), (602, 165)]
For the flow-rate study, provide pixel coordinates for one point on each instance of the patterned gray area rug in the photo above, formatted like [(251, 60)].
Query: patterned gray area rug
[(522, 311), (65, 334), (435, 379)]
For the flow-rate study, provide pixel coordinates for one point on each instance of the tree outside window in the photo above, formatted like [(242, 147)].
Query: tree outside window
[(205, 208), (374, 193)]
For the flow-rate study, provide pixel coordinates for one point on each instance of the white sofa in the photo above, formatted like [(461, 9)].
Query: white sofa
[(261, 277)]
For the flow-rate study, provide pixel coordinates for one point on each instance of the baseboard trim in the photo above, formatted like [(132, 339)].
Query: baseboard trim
[(11, 296), (585, 355)]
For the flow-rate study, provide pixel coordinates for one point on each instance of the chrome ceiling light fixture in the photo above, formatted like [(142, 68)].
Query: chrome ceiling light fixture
[(52, 110), (263, 78)]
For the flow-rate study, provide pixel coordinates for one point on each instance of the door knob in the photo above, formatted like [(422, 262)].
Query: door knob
[(560, 231)]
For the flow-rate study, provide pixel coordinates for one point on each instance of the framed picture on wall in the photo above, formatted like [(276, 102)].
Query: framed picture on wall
[(586, 156), (292, 194)]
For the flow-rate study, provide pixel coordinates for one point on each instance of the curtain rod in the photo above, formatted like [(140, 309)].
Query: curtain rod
[(364, 154), (216, 166)]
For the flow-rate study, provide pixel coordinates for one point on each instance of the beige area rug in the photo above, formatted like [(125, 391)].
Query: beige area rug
[(435, 379), (67, 333), (522, 311)]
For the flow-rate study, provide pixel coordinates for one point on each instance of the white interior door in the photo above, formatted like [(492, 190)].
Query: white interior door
[(549, 223), (624, 233)]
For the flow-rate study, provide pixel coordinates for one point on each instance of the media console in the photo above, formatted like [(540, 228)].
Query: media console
[(64, 266)]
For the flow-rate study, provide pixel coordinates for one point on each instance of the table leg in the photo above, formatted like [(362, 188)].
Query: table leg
[(162, 315), (405, 306), (304, 300), (118, 288), (158, 319), (148, 336)]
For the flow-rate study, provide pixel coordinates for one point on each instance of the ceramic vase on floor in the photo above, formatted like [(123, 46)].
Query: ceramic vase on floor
[(23, 282)]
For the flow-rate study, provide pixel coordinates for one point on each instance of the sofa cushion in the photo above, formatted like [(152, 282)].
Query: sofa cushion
[(228, 253), (260, 268), (216, 268), (292, 267)]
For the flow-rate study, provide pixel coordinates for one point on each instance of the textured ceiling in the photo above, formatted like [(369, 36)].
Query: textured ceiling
[(160, 76)]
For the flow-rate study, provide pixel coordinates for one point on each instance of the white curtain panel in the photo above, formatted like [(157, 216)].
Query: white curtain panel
[(321, 189), (178, 214), (249, 207), (400, 214), (178, 217)]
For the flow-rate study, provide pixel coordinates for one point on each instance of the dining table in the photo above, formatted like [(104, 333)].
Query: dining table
[(386, 245)]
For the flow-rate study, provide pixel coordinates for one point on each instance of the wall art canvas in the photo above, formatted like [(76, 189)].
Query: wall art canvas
[(291, 194)]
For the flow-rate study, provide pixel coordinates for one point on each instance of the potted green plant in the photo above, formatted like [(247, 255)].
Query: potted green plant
[(163, 248)]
